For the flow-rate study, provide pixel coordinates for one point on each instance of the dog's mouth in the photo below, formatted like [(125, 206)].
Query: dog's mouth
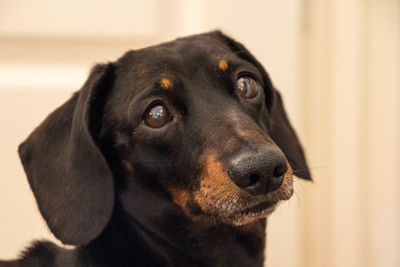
[(254, 212), (239, 208), (236, 209), (259, 208)]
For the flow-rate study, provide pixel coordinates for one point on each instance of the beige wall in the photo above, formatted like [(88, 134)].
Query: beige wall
[(336, 62)]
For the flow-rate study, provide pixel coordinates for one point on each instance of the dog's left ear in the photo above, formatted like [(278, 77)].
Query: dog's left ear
[(281, 131), (285, 137)]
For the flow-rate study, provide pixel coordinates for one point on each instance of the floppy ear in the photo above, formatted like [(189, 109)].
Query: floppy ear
[(284, 136), (281, 131), (67, 172)]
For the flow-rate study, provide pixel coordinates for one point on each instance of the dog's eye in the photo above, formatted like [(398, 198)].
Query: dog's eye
[(157, 116), (248, 88)]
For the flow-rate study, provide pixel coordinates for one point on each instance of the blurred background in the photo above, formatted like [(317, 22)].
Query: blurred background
[(337, 64)]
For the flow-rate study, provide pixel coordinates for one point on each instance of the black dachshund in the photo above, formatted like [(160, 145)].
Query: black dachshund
[(174, 155)]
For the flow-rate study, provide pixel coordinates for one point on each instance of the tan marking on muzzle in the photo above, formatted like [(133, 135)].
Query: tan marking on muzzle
[(214, 183)]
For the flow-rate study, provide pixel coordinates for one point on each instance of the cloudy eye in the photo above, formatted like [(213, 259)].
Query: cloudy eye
[(247, 87), (157, 116)]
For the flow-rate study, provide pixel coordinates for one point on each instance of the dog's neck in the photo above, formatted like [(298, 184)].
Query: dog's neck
[(160, 234)]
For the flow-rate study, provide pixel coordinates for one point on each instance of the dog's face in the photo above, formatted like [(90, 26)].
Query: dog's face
[(196, 120)]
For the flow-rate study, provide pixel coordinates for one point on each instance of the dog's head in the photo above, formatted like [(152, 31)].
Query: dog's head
[(195, 121)]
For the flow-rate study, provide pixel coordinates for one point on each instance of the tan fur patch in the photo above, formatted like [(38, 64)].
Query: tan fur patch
[(222, 64), (166, 83), (214, 183), (180, 197)]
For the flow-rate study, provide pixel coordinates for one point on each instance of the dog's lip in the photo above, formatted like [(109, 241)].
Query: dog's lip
[(259, 207)]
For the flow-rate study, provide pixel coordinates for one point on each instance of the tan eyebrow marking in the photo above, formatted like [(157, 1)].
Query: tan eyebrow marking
[(222, 64), (166, 83)]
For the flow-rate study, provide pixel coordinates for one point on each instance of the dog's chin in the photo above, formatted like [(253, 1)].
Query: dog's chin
[(247, 214), (251, 214), (249, 210)]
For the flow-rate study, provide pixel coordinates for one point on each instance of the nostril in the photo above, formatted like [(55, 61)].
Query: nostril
[(276, 180), (254, 178), (280, 170)]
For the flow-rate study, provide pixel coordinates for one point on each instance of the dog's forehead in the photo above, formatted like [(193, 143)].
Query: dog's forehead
[(191, 46), (179, 56)]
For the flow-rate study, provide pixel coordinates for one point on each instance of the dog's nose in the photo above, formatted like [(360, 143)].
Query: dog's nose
[(258, 173)]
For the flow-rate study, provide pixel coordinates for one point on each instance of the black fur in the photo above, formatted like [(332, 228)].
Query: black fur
[(108, 184)]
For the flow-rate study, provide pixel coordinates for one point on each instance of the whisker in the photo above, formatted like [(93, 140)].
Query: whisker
[(298, 192)]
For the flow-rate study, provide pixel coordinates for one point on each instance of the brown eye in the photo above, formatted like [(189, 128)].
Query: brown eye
[(248, 88), (157, 116)]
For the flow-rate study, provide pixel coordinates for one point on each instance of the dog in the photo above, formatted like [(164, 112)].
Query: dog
[(173, 155)]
